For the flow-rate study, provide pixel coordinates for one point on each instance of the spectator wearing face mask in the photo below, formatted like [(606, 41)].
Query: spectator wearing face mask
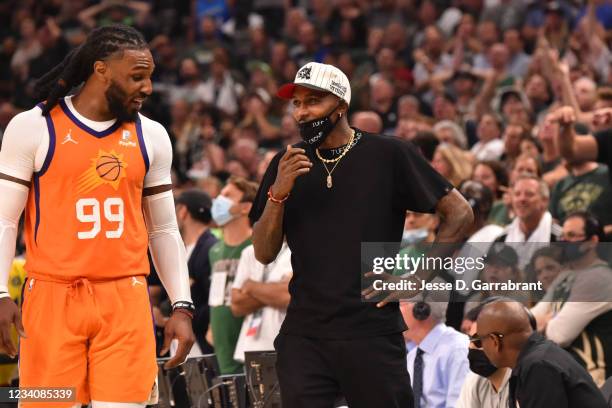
[(486, 386), (230, 212), (576, 312), (543, 375), (419, 229)]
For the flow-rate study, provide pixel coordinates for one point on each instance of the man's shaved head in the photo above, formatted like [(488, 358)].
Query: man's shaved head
[(504, 328)]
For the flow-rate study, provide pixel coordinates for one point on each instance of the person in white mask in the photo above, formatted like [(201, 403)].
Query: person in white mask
[(229, 211), (419, 227)]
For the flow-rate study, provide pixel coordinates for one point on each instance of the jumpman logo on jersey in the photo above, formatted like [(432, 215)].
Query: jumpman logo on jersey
[(69, 138), (136, 281)]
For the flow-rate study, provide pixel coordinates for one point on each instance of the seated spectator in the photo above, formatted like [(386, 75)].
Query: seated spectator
[(481, 200), (533, 224), (382, 101), (539, 93), (481, 235), (501, 265), (530, 146), (464, 86), (519, 60), (554, 168), (538, 365), (502, 213), (221, 90), (260, 294), (493, 175), (438, 361), (408, 107), (512, 136), (489, 146), (445, 108), (486, 386), (258, 115), (545, 266), (419, 227), (367, 121), (419, 230), (449, 132), (191, 89), (407, 129), (430, 60), (524, 164), (452, 163), (427, 144), (576, 312), (586, 188)]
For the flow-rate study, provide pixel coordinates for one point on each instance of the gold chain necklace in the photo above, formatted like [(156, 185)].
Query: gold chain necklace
[(346, 149), (336, 160)]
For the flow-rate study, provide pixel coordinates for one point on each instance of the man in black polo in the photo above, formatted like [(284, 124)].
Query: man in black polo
[(327, 195), (543, 374)]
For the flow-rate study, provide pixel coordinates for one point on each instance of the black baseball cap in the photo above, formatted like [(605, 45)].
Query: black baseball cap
[(198, 204)]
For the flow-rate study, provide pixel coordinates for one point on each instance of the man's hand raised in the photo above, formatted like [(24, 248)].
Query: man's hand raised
[(293, 164)]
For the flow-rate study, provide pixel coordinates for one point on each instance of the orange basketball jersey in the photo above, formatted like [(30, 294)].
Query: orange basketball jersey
[(84, 213)]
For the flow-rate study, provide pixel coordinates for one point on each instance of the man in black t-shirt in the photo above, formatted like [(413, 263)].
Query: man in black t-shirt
[(592, 147), (327, 195), (543, 374)]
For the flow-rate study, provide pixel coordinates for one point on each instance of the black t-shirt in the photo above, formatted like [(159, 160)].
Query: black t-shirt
[(547, 376), (373, 185)]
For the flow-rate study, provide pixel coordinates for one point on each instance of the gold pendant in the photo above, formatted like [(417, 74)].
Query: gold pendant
[(329, 181)]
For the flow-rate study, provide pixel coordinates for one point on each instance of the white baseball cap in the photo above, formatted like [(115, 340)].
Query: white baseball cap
[(322, 77)]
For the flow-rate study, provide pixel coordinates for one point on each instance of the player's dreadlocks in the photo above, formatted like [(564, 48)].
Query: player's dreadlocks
[(78, 64)]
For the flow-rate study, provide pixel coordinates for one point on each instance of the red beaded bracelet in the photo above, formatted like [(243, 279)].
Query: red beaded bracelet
[(274, 199)]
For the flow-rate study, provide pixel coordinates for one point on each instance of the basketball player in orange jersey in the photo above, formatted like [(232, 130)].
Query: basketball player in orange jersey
[(94, 178)]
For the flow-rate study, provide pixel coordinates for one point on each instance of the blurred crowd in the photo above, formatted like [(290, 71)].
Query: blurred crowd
[(473, 83)]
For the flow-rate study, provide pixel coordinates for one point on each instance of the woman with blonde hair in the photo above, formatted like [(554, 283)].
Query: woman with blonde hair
[(452, 163)]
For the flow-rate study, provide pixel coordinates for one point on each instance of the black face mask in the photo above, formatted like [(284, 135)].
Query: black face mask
[(316, 131), (480, 364), (571, 251)]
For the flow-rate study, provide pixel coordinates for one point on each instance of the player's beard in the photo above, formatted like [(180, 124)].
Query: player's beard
[(116, 99)]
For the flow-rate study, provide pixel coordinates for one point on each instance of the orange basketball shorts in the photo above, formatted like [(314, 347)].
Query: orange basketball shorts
[(94, 336)]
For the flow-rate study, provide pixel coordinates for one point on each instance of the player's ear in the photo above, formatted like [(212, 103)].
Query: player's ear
[(343, 108), (102, 71)]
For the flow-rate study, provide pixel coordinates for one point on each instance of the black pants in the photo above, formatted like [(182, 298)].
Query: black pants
[(369, 372)]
